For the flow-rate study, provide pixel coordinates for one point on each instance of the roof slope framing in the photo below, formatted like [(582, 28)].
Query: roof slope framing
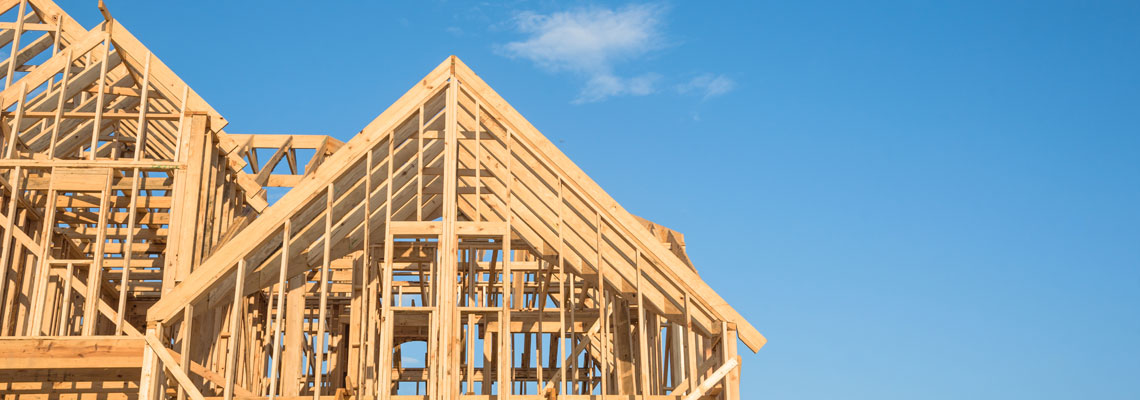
[(448, 250)]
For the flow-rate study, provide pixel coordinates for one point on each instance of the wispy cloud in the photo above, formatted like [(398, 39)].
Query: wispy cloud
[(591, 43), (708, 85)]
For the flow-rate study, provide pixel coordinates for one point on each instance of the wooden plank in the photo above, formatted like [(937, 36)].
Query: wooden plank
[(13, 136), (387, 321), (66, 297), (113, 115), (237, 309), (371, 318), (27, 26), (100, 97), (61, 98), (690, 342), (16, 41), (95, 274), (447, 361), (76, 179), (506, 347), (128, 253), (181, 259), (148, 377), (713, 379), (144, 105), (42, 267), (602, 309), (15, 178), (642, 325), (322, 318), (70, 352), (153, 165), (278, 317), (187, 331), (417, 228), (294, 337)]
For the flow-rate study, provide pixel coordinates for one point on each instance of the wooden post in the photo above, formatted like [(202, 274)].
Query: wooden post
[(563, 290), (603, 344), (95, 273), (690, 341), (58, 120), (97, 126), (321, 319), (294, 337), (732, 384), (42, 266), (151, 369), (236, 312), (187, 333), (13, 138), (185, 216), (419, 164), (387, 317), (642, 326), (15, 178), (140, 135), (367, 367), (16, 43), (506, 349), (128, 251), (64, 311), (281, 282), (446, 312)]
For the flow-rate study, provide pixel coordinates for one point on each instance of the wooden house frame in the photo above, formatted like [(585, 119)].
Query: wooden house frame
[(141, 259)]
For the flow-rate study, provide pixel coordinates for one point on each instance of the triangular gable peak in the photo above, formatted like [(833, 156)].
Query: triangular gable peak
[(451, 204), (99, 141), (62, 81), (101, 74)]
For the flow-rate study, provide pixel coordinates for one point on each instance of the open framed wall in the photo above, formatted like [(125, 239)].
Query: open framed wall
[(447, 251)]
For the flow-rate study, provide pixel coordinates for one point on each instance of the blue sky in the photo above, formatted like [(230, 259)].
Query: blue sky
[(910, 199)]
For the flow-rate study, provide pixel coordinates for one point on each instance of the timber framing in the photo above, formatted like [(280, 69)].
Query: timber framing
[(447, 251)]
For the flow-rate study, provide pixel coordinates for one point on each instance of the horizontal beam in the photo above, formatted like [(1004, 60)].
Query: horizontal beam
[(120, 164), (106, 115), (274, 141), (67, 352)]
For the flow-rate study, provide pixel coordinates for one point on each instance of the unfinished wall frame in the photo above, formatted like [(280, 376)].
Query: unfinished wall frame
[(447, 251)]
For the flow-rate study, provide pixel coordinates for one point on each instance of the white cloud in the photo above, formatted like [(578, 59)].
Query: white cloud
[(602, 86), (710, 85), (591, 42)]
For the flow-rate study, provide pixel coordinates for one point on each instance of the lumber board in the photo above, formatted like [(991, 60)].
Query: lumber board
[(68, 352)]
